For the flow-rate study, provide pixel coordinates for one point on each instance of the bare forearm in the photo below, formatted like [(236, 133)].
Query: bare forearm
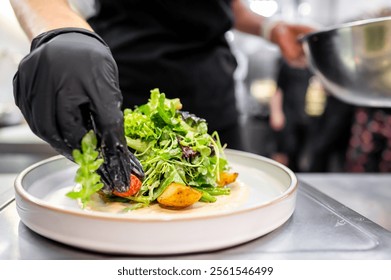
[(38, 16), (283, 34), (245, 20)]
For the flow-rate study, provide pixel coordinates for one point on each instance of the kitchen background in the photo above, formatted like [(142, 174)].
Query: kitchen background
[(258, 65)]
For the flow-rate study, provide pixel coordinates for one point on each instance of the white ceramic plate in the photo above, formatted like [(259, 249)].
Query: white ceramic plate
[(263, 200)]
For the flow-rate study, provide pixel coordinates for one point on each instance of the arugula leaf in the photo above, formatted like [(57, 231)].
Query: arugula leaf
[(86, 176)]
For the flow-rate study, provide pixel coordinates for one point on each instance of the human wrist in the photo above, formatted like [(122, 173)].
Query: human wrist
[(48, 35), (267, 26)]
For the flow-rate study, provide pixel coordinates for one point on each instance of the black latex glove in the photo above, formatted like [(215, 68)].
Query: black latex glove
[(68, 85)]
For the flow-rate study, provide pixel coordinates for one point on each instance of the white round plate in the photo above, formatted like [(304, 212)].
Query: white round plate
[(263, 199)]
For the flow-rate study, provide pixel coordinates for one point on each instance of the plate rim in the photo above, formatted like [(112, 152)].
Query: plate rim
[(114, 216)]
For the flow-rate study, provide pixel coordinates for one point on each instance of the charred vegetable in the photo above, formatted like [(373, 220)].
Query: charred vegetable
[(178, 196), (227, 178)]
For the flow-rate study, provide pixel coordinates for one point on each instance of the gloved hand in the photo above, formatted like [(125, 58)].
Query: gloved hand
[(67, 85)]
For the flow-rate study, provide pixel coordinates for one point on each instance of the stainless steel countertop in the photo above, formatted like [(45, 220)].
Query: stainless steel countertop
[(320, 228), (368, 194)]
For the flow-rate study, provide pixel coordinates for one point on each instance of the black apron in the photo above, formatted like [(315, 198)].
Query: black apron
[(178, 46)]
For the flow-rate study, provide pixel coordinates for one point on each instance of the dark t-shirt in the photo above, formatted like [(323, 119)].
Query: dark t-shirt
[(178, 46)]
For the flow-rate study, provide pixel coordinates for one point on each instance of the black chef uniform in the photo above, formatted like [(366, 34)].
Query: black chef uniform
[(178, 46)]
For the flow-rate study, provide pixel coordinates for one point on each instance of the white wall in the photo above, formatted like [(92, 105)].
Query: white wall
[(348, 9), (330, 12)]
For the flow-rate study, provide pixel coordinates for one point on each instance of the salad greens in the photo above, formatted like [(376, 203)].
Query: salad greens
[(86, 176), (172, 146)]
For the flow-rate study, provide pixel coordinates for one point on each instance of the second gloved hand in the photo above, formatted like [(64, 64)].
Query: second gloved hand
[(67, 85)]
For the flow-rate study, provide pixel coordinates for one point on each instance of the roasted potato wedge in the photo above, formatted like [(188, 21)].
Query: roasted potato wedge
[(178, 196), (227, 178)]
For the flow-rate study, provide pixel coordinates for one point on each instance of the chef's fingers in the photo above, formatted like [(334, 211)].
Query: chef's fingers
[(137, 168), (286, 36), (106, 101), (117, 162)]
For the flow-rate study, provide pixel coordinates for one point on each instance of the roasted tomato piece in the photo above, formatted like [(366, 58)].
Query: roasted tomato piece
[(135, 185)]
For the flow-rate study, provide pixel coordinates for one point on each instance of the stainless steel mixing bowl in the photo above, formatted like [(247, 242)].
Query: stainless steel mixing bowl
[(353, 61)]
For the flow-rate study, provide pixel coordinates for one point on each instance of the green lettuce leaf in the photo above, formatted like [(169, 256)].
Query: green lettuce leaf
[(86, 176)]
